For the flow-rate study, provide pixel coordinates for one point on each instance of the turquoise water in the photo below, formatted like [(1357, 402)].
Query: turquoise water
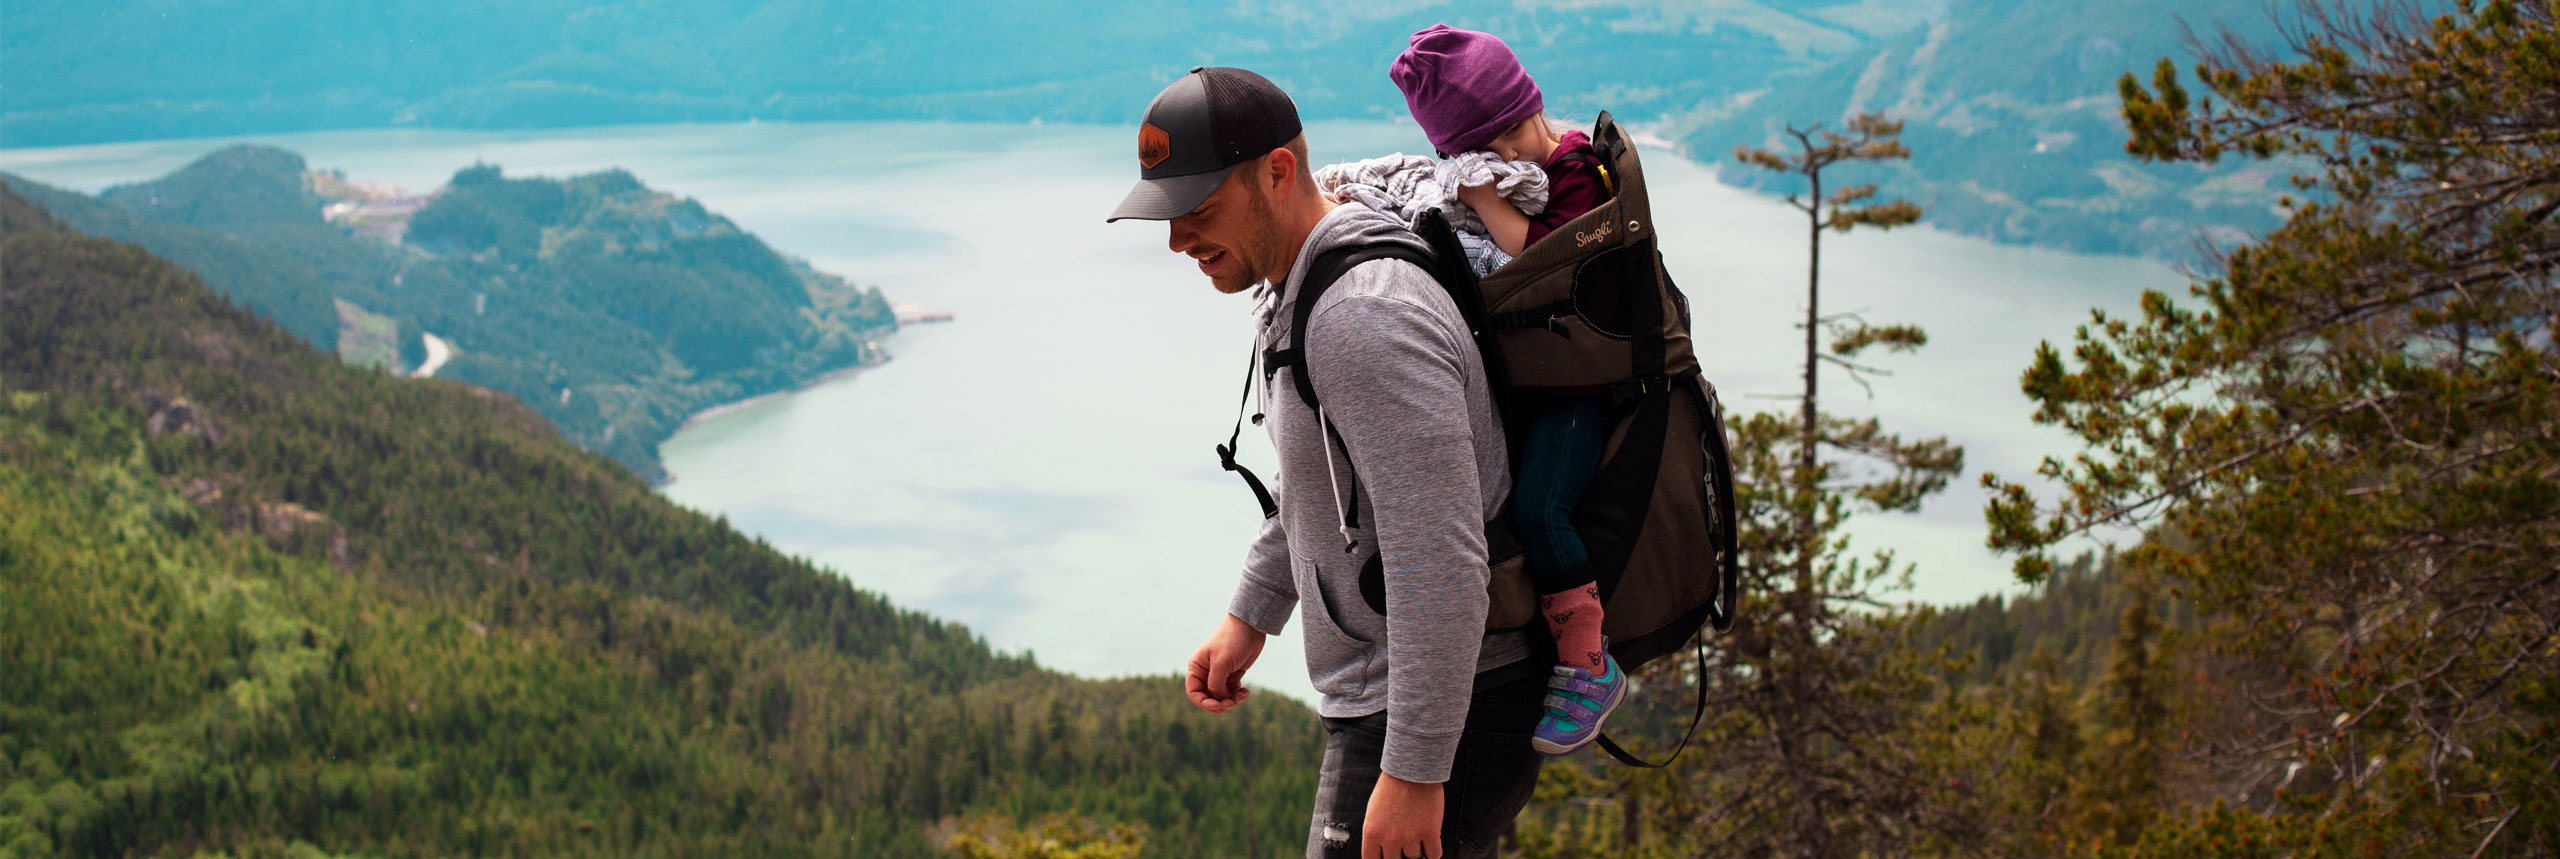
[(1041, 469)]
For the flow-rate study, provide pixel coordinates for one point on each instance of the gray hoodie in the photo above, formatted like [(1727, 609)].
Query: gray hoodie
[(1399, 377)]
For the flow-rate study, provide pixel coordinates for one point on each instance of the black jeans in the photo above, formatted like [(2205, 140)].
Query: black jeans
[(1488, 784)]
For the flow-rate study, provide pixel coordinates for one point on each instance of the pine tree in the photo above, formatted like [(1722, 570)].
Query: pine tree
[(2050, 749), (2119, 784), (2355, 426), (1871, 137), (1811, 748)]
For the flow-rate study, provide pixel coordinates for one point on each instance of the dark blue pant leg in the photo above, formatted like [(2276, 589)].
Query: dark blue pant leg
[(1558, 455)]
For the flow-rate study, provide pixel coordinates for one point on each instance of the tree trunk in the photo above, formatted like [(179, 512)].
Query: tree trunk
[(1806, 451)]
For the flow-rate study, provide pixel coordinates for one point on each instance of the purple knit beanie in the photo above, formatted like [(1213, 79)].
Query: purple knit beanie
[(1464, 87)]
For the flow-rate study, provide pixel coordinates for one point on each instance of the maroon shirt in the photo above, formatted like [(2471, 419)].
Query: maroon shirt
[(1572, 189)]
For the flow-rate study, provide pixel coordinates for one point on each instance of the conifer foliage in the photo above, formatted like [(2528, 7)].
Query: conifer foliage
[(2350, 437)]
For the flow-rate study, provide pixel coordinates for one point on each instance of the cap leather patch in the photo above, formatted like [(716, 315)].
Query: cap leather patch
[(1154, 146)]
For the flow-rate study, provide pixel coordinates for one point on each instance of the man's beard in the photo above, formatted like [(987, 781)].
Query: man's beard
[(1259, 249)]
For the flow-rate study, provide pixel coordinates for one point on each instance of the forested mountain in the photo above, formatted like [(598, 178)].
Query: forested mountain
[(2071, 618), (613, 310), (2013, 124), (2012, 108), (259, 600), (83, 72)]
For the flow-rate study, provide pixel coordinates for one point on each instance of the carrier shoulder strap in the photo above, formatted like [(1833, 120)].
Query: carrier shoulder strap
[(1328, 267), (1321, 273), (1583, 156)]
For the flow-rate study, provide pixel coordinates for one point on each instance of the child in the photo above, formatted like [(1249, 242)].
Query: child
[(1468, 92)]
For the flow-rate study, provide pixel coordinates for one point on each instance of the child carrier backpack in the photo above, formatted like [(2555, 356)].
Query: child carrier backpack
[(1588, 305)]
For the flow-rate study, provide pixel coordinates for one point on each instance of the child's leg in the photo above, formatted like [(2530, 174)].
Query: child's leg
[(1558, 454)]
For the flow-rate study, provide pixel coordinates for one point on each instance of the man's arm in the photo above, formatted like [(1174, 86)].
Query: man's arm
[(1391, 377), (1265, 595), (1267, 592)]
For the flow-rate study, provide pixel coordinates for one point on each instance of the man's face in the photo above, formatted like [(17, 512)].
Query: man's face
[(1229, 235)]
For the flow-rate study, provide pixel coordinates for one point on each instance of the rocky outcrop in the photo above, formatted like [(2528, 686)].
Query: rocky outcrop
[(174, 414), (290, 528)]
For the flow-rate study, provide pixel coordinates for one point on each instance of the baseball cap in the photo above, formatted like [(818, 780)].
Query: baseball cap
[(1197, 131)]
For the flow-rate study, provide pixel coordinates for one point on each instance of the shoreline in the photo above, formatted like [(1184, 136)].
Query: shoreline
[(760, 399), (667, 477)]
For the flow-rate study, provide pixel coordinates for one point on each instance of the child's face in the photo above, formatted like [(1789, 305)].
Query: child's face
[(1526, 140)]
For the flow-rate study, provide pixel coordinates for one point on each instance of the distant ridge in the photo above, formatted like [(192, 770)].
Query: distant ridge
[(147, 70), (2014, 128)]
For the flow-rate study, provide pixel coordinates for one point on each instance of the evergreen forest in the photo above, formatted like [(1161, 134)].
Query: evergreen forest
[(260, 602)]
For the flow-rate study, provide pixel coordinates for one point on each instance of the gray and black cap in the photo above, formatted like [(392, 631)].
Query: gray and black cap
[(1197, 131)]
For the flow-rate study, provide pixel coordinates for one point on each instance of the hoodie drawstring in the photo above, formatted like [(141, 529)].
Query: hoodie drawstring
[(1350, 514)]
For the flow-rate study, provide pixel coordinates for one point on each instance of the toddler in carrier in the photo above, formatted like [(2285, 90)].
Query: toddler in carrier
[(1468, 92)]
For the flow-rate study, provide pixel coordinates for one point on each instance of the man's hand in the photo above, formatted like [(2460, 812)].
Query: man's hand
[(1216, 679), (1403, 820)]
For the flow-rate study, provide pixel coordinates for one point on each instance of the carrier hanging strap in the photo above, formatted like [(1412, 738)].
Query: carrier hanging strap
[(1227, 452), (1695, 718), (1328, 267)]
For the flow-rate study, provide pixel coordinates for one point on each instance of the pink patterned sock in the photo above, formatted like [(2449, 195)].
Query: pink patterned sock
[(1574, 616)]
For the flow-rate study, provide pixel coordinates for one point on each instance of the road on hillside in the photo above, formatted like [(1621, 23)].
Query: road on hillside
[(438, 352)]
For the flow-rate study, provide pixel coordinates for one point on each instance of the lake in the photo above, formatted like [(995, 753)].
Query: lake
[(1041, 469)]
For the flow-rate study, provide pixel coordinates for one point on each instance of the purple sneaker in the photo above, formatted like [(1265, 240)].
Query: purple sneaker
[(1576, 705)]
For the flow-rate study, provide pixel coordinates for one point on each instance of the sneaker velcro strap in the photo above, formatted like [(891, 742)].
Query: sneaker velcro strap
[(1572, 709), (1585, 688)]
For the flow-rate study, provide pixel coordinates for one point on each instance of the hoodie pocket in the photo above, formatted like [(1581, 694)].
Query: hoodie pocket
[(1343, 613), (1339, 660)]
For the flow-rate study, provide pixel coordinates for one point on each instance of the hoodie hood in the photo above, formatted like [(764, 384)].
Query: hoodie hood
[(1350, 223)]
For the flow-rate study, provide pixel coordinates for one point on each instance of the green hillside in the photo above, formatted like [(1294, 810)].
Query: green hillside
[(613, 310), (254, 600)]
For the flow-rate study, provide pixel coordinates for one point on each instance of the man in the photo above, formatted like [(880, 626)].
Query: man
[(1427, 717)]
